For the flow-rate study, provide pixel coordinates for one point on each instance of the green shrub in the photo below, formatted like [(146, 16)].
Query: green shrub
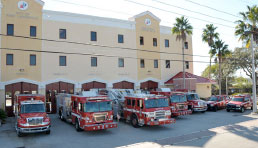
[(3, 115)]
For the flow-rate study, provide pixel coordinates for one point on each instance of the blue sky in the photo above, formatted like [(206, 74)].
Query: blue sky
[(124, 9)]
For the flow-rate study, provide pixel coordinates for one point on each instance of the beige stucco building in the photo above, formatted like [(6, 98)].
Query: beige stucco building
[(48, 52)]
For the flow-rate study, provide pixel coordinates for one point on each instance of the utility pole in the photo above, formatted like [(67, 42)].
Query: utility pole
[(253, 76), (183, 51)]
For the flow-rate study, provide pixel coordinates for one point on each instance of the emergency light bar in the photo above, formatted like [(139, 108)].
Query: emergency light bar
[(98, 98)]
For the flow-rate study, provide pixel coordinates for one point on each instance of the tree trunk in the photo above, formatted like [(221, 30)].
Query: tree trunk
[(226, 85), (219, 74), (183, 52), (210, 69)]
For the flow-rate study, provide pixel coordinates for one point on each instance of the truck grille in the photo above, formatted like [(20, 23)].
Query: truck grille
[(100, 117), (180, 106), (160, 114), (35, 121)]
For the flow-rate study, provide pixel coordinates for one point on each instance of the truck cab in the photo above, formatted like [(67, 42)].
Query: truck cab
[(143, 109), (240, 103), (30, 114), (195, 103), (87, 112)]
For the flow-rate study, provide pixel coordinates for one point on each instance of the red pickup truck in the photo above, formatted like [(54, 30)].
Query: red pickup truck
[(240, 103), (217, 102)]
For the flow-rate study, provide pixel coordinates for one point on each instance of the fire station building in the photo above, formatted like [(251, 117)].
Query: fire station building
[(48, 52)]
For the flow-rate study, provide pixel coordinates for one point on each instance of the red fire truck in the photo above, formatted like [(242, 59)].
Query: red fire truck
[(88, 111), (141, 109), (30, 114), (177, 100), (195, 103)]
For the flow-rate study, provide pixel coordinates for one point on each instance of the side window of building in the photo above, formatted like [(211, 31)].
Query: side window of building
[(33, 31), (62, 60), (32, 59), (93, 36), (155, 42), (129, 102), (186, 45), (156, 64), (62, 33), (142, 63), (121, 62), (10, 29), (166, 43), (187, 65), (141, 40), (120, 38), (167, 63), (9, 59), (94, 62)]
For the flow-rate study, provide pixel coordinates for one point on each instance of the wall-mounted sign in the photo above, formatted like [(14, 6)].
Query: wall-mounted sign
[(22, 5), (148, 22)]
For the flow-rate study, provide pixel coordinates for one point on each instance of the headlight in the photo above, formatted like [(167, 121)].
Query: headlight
[(237, 105), (168, 113), (150, 114), (212, 104)]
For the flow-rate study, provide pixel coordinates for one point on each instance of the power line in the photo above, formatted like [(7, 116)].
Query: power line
[(177, 13), (190, 1), (192, 11), (97, 45)]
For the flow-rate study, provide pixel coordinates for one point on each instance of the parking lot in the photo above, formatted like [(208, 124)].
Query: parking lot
[(193, 130)]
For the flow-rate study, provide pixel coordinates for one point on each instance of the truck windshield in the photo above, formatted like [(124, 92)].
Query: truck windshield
[(97, 106), (178, 98), (155, 103), (192, 97), (238, 99), (32, 108), (213, 99)]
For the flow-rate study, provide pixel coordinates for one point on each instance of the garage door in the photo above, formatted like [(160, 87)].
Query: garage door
[(93, 84), (149, 85), (17, 88), (123, 85), (53, 89)]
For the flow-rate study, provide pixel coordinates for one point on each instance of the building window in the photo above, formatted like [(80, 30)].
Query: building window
[(120, 62), (62, 60), (156, 64), (120, 38), (141, 40), (167, 43), (93, 36), (187, 65), (94, 62), (167, 63), (155, 42), (142, 63), (186, 45), (62, 33), (10, 29), (32, 59), (9, 59), (33, 31)]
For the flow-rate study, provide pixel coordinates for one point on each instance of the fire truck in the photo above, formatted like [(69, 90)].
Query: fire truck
[(195, 103), (177, 100), (240, 103), (142, 109), (88, 111), (30, 114)]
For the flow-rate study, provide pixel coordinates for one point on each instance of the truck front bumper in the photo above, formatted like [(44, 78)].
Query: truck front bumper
[(182, 113), (34, 129), (161, 121), (200, 109), (101, 126)]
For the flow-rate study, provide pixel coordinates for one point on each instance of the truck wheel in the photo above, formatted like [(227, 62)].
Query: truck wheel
[(242, 109), (61, 116), (19, 134), (215, 108), (202, 111), (251, 107), (77, 126), (228, 110), (134, 122), (48, 132)]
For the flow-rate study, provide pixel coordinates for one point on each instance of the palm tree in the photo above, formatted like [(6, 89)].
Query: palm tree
[(209, 35), (220, 50), (249, 23), (182, 28)]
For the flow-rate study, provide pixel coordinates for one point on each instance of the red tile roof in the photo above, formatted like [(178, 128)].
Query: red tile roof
[(199, 79)]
